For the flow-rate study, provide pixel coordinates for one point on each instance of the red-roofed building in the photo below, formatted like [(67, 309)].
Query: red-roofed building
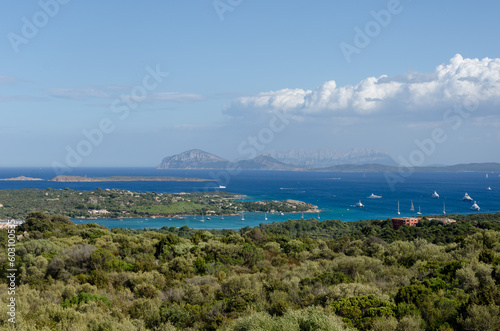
[(398, 221)]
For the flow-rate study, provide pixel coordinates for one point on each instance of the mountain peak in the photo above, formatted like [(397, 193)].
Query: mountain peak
[(193, 159)]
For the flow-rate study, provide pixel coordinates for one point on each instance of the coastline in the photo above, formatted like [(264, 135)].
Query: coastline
[(21, 178), (118, 204), (82, 179)]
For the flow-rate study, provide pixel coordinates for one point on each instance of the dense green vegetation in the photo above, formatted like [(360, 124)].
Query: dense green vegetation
[(118, 203), (295, 275)]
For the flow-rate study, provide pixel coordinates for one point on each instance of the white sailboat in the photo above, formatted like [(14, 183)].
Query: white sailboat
[(475, 206), (435, 195), (486, 175), (202, 217), (399, 213), (242, 216), (489, 188), (318, 217), (265, 217), (419, 212), (302, 216), (359, 204), (374, 196), (444, 209), (412, 208)]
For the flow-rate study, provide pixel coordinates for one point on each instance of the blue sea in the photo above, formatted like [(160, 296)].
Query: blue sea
[(336, 194)]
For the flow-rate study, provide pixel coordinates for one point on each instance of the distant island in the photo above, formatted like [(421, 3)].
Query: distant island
[(198, 159), (201, 160), (126, 179), (20, 178)]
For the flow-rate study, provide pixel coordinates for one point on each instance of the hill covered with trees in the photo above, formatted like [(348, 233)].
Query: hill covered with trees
[(115, 203), (295, 275)]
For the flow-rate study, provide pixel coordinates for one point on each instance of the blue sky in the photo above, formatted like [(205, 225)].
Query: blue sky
[(423, 83)]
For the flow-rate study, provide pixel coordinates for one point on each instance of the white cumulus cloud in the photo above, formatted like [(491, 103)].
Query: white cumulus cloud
[(410, 93)]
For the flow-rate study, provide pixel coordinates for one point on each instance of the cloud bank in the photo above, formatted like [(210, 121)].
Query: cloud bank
[(410, 93)]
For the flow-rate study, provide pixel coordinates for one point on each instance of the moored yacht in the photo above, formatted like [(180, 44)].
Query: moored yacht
[(374, 196), (435, 195), (466, 197), (359, 204), (475, 206)]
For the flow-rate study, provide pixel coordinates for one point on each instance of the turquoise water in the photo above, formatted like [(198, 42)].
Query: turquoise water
[(215, 222), (334, 193)]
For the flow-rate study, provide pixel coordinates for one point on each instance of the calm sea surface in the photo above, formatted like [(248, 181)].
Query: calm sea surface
[(335, 193)]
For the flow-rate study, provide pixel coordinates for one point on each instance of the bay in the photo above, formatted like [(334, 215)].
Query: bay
[(335, 193)]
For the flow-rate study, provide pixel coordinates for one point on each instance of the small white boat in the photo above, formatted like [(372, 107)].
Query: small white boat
[(399, 213), (282, 214), (242, 216), (489, 188), (319, 217), (419, 212), (359, 204), (466, 197), (435, 195), (412, 208), (374, 196), (265, 217), (221, 186), (475, 206), (444, 209), (302, 216)]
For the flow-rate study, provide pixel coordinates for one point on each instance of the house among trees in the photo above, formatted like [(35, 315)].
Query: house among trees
[(399, 221), (443, 220)]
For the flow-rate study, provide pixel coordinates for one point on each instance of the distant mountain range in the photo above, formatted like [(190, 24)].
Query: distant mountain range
[(469, 167), (198, 159), (327, 158)]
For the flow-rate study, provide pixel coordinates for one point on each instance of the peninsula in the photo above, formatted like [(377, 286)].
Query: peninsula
[(115, 203)]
